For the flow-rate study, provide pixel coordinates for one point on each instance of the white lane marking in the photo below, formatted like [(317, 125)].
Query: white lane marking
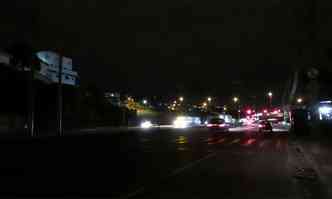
[(191, 164), (172, 174), (221, 140), (135, 193), (234, 141)]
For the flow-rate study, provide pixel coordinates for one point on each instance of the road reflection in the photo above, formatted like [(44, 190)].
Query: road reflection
[(181, 143)]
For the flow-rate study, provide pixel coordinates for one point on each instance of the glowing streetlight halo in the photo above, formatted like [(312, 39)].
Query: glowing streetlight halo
[(235, 99)]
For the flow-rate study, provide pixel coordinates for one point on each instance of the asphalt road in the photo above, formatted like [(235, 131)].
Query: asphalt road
[(154, 163)]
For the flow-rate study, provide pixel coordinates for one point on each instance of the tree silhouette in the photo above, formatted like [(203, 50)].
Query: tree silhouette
[(23, 56)]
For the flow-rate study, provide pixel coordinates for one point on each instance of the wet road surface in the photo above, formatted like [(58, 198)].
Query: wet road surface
[(154, 163)]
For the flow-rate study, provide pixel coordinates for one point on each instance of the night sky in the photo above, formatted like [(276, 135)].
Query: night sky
[(168, 47)]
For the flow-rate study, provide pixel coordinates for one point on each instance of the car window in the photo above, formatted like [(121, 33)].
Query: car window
[(217, 121)]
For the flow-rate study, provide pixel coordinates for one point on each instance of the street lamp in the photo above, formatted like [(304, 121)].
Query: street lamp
[(181, 99), (145, 101), (235, 99), (209, 99), (270, 94), (204, 104), (299, 100)]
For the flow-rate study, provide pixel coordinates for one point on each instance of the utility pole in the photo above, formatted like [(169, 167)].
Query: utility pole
[(31, 122), (60, 109)]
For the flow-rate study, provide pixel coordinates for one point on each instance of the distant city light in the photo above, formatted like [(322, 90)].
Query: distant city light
[(145, 101), (181, 99), (204, 104), (270, 94), (209, 99), (325, 112)]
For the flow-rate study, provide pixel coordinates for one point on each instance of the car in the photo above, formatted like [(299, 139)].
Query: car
[(265, 126), (255, 123), (217, 124)]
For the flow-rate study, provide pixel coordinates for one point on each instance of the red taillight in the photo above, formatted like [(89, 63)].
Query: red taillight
[(260, 126), (222, 125), (209, 125)]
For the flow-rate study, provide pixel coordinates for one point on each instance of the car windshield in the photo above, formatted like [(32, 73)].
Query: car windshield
[(166, 99), (217, 121)]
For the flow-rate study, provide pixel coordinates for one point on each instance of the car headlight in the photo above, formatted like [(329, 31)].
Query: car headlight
[(146, 124), (180, 122)]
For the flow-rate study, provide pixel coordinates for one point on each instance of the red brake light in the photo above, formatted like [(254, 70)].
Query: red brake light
[(222, 125), (209, 125)]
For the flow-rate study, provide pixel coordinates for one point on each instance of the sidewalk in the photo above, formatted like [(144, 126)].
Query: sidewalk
[(318, 153)]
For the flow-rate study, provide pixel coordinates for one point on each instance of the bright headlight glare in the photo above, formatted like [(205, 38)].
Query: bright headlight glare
[(180, 122), (146, 124)]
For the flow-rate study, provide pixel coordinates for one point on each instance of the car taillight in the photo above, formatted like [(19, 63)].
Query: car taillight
[(222, 125), (260, 126), (209, 125)]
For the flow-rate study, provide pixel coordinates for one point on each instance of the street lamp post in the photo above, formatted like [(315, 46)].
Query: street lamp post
[(60, 98), (236, 100), (299, 100), (270, 94), (209, 99)]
